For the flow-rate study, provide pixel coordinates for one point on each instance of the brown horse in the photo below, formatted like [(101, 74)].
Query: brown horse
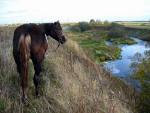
[(30, 41)]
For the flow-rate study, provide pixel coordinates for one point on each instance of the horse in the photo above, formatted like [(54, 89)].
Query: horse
[(30, 42)]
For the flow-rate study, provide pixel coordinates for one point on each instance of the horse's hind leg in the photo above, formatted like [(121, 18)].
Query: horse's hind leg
[(22, 70), (37, 59), (37, 77)]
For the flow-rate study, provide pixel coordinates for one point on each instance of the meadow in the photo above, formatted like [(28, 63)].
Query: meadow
[(71, 80), (136, 24)]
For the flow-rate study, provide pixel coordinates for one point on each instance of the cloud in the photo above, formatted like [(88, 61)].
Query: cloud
[(76, 10)]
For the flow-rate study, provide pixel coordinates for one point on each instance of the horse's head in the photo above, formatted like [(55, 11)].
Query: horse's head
[(57, 32)]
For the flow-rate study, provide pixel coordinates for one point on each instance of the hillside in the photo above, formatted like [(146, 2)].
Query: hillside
[(71, 83)]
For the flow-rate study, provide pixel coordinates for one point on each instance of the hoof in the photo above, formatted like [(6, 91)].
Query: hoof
[(24, 100), (37, 95)]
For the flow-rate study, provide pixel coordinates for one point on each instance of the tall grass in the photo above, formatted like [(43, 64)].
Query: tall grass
[(72, 83)]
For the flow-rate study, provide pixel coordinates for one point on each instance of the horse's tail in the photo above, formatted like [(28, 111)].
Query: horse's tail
[(24, 52)]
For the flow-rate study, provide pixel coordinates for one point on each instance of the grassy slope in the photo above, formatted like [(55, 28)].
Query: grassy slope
[(72, 83)]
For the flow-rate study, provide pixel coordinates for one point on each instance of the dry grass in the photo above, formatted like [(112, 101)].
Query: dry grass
[(72, 83)]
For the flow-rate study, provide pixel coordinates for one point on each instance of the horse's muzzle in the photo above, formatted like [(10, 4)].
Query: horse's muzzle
[(63, 40)]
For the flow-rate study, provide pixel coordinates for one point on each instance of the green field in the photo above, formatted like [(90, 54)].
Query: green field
[(140, 25)]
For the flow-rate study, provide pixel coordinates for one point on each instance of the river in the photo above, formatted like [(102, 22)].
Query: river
[(122, 67)]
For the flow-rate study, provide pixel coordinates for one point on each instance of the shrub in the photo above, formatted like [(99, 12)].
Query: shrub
[(92, 21), (141, 73), (99, 22), (84, 26), (95, 22), (143, 24), (80, 27), (116, 31), (113, 24), (106, 22)]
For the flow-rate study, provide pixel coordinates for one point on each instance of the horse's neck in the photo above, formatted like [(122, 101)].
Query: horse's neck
[(46, 28)]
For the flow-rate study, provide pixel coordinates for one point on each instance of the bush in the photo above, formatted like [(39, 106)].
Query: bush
[(143, 24), (98, 22), (141, 73), (113, 24), (84, 26), (95, 22), (92, 21), (81, 27), (116, 31), (106, 22)]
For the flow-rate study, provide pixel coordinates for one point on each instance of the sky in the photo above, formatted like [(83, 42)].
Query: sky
[(22, 11)]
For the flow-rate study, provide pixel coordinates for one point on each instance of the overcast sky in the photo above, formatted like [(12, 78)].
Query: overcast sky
[(18, 11)]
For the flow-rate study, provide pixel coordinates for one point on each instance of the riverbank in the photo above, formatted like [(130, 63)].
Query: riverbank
[(122, 67), (93, 39), (110, 36)]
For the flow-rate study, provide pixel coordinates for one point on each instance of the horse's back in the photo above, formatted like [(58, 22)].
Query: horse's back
[(35, 32), (34, 38), (20, 32)]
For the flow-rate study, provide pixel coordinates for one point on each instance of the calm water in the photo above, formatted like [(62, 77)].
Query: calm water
[(122, 67)]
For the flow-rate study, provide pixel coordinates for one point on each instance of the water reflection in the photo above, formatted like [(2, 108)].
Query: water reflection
[(122, 67)]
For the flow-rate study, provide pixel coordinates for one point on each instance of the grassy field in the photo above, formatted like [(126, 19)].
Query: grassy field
[(140, 25), (72, 82)]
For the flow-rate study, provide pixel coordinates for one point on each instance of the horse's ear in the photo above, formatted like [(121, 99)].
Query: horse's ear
[(57, 23)]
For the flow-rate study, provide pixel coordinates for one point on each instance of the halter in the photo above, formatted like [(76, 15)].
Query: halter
[(57, 45)]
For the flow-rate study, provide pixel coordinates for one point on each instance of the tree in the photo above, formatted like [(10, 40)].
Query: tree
[(98, 21), (106, 22), (92, 21)]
